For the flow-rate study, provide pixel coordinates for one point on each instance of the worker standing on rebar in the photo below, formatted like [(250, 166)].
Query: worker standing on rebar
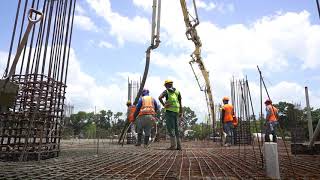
[(173, 109), (227, 116), (130, 117), (271, 121), (145, 111)]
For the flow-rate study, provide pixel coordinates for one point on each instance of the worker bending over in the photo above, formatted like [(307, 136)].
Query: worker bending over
[(144, 114), (271, 121), (173, 109), (227, 116)]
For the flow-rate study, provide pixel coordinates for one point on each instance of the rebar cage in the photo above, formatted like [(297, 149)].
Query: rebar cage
[(31, 128)]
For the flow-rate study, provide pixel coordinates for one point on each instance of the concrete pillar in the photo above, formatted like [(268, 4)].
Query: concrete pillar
[(271, 160), (310, 128)]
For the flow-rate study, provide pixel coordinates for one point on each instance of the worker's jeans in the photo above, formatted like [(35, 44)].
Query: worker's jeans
[(228, 129), (271, 129), (145, 124)]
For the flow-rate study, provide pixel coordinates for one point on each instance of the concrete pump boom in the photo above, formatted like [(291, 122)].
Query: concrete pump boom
[(191, 33)]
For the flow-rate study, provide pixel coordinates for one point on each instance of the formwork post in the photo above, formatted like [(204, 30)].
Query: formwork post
[(272, 161)]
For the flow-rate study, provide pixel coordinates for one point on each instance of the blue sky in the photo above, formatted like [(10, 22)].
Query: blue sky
[(111, 36)]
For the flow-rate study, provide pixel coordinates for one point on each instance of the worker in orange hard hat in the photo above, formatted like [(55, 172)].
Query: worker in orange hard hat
[(271, 121), (173, 109), (227, 118)]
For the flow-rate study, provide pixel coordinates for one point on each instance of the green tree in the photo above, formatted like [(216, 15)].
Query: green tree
[(77, 122), (189, 118), (109, 118)]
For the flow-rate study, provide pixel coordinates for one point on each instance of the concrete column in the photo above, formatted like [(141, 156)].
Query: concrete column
[(272, 162), (310, 128)]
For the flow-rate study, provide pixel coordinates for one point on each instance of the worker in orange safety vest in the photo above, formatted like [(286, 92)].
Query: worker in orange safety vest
[(145, 112), (271, 121), (227, 118), (130, 117)]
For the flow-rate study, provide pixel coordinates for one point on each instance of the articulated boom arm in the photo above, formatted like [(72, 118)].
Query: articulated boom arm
[(191, 33)]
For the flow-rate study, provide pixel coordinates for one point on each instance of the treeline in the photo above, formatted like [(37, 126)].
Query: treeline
[(108, 124), (291, 118), (89, 125)]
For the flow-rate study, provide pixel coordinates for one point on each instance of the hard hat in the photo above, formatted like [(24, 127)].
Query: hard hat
[(225, 98), (167, 81), (145, 91), (128, 102), (268, 101)]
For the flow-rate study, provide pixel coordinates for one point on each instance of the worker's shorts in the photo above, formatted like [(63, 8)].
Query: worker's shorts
[(145, 124)]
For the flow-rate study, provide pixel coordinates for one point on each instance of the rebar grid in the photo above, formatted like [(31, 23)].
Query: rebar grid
[(197, 160)]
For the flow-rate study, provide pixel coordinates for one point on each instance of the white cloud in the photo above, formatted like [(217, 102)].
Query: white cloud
[(145, 4), (85, 23), (105, 44), (206, 6), (86, 94), (79, 9), (270, 42), (136, 29)]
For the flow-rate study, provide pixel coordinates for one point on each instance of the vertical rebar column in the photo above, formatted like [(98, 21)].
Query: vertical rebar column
[(31, 130)]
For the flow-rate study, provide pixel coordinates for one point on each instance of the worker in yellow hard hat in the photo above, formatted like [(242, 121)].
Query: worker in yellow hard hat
[(227, 116), (173, 109)]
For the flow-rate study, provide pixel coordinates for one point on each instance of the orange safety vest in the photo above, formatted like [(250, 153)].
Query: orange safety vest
[(147, 107), (228, 113), (132, 109), (273, 111), (235, 121)]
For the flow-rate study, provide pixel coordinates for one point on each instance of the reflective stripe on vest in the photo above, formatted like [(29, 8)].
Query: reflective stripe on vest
[(228, 112), (272, 116), (173, 101), (132, 109), (147, 107)]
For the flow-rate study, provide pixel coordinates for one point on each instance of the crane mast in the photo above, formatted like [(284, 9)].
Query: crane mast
[(192, 34)]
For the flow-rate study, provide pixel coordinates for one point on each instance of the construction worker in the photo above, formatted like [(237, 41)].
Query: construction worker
[(173, 109), (227, 116), (130, 117), (271, 121), (145, 111)]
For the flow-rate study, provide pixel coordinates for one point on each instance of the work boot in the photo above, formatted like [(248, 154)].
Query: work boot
[(139, 140), (274, 138), (173, 143), (178, 144), (146, 141), (267, 138)]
